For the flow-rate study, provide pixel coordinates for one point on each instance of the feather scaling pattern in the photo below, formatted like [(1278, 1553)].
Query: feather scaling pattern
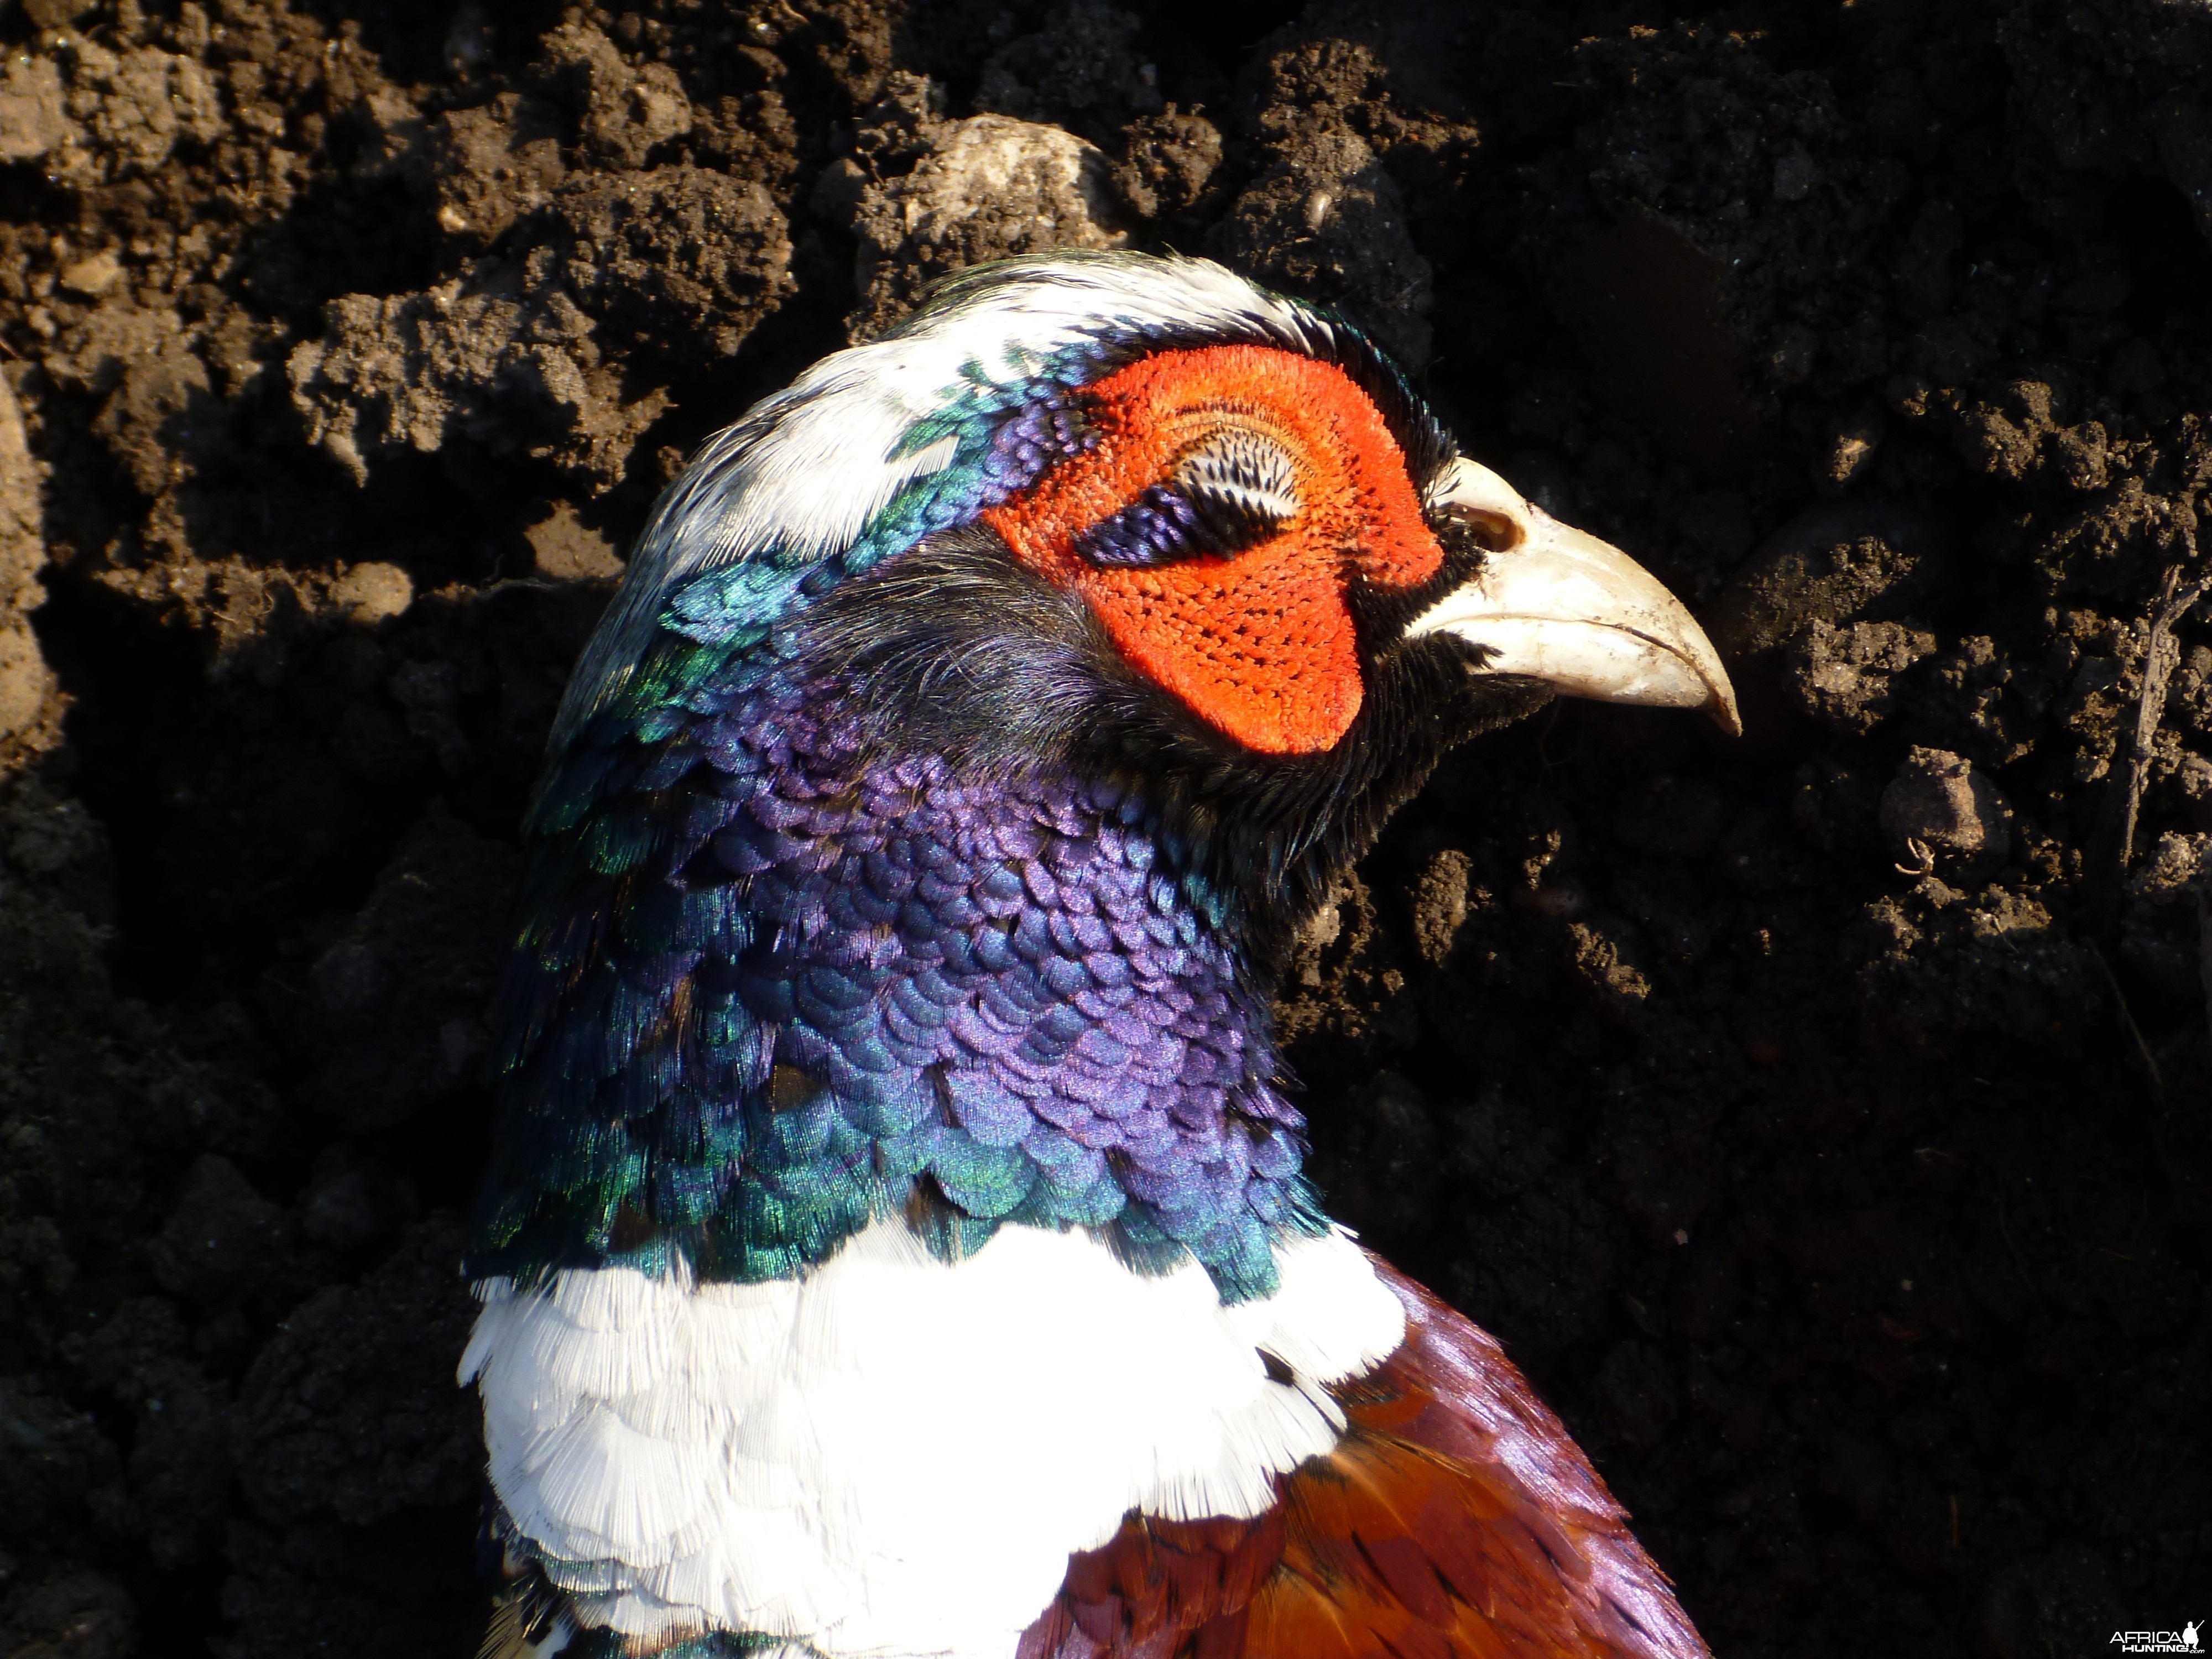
[(977, 989)]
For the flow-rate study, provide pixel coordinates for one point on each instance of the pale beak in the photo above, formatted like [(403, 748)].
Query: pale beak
[(1551, 604)]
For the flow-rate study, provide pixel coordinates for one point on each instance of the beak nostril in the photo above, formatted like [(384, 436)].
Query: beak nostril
[(1494, 532)]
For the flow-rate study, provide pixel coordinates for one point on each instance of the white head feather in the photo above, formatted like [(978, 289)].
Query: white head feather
[(806, 471)]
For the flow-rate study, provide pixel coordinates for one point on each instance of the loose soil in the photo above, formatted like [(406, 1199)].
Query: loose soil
[(1824, 1119)]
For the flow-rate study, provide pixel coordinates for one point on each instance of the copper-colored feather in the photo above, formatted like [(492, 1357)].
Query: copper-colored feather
[(1454, 1521)]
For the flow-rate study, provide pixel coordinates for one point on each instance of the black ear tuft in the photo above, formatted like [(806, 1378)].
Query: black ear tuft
[(1161, 526)]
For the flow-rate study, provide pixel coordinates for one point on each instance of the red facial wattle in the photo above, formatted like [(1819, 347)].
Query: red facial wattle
[(1259, 644)]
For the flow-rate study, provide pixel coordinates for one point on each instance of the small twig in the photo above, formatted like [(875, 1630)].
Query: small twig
[(2114, 843), (2204, 939), (2019, 1261), (2128, 1018), (2153, 1117), (1544, 737)]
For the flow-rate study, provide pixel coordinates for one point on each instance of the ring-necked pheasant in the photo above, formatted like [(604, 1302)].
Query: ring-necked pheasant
[(896, 1242)]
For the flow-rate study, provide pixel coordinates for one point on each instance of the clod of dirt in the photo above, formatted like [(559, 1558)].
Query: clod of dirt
[(221, 1235), (27, 685), (565, 549), (682, 261), (1939, 968), (624, 113), (140, 360), (2193, 779), (955, 193), (1850, 678), (32, 118), (73, 1615), (1389, 1149), (1838, 563), (1982, 700), (89, 278), (371, 593), (2160, 936), (142, 1358), (350, 1413), (1323, 217), (1693, 307), (2117, 87), (56, 1457), (1847, 455), (587, 254), (1440, 906), (1168, 173), (1939, 802), (133, 108), (349, 1433), (260, 621), (2120, 543), (392, 1017), (1082, 72), (515, 355), (495, 163)]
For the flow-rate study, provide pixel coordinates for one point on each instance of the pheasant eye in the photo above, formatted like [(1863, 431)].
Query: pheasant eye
[(1233, 488), (1234, 498)]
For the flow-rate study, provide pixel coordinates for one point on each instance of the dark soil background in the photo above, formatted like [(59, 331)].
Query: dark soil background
[(1824, 1120)]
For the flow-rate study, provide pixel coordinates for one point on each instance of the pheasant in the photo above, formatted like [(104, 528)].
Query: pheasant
[(895, 1241)]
